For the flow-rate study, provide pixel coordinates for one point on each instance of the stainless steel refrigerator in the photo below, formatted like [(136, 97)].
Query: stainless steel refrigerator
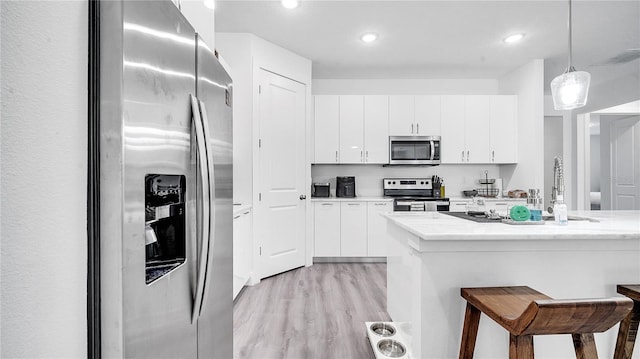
[(165, 187)]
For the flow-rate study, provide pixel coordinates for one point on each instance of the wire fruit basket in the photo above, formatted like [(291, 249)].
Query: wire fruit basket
[(488, 192)]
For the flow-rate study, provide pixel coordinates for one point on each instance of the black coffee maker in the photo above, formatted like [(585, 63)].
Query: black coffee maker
[(346, 186)]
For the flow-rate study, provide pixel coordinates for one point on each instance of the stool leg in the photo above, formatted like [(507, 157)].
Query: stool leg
[(585, 346), (627, 333), (520, 346), (469, 332)]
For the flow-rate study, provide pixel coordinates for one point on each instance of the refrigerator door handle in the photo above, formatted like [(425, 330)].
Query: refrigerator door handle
[(210, 239), (203, 167)]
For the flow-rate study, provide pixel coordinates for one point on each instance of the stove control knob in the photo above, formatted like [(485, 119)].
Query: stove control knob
[(422, 182)]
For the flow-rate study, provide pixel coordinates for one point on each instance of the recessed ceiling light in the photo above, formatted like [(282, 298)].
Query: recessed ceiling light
[(369, 37), (211, 4), (513, 38), (290, 4)]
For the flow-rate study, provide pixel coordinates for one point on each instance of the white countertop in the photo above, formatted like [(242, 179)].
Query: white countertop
[(433, 226), (241, 208), (353, 199)]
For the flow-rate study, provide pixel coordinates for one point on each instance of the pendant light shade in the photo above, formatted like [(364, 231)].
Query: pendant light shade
[(570, 89)]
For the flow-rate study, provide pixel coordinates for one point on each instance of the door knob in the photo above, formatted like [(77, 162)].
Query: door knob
[(302, 196)]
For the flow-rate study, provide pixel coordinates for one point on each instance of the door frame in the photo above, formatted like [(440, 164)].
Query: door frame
[(583, 157), (258, 66)]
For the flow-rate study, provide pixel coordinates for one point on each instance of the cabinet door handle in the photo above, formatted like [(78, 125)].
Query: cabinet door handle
[(462, 155), (336, 156), (417, 128), (379, 204), (412, 128), (493, 156), (236, 217), (367, 154), (327, 204), (353, 204), (361, 156), (500, 204), (467, 155)]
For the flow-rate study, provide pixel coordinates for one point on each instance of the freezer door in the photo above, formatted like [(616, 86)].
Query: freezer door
[(214, 90), (148, 51)]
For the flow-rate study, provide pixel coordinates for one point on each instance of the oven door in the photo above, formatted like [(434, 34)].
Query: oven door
[(414, 150)]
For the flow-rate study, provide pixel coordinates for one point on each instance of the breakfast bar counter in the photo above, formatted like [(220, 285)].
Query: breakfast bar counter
[(432, 255)]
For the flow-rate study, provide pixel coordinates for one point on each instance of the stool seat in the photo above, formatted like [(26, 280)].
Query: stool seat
[(629, 326), (525, 312)]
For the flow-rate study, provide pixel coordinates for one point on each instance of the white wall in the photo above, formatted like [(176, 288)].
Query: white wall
[(201, 18), (44, 166), (235, 49), (527, 83), (456, 178), (552, 147), (246, 55)]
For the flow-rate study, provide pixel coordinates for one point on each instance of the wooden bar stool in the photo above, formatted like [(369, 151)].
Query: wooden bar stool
[(629, 325), (525, 312)]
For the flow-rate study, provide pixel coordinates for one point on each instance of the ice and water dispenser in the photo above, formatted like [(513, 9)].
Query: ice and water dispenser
[(165, 236)]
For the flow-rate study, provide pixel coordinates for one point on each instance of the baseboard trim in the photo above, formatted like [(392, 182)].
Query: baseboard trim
[(349, 259)]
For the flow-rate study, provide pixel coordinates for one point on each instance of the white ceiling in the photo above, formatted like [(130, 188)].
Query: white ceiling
[(443, 39)]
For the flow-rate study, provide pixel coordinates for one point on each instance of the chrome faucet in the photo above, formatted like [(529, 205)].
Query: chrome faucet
[(557, 191)]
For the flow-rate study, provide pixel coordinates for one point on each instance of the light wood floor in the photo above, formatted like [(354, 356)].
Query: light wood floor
[(314, 312)]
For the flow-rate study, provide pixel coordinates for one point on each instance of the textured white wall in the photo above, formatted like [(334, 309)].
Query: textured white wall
[(527, 82), (44, 150)]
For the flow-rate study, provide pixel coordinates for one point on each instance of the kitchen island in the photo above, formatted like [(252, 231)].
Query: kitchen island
[(432, 255)]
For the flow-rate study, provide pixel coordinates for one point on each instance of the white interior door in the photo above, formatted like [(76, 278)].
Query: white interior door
[(280, 213), (625, 164)]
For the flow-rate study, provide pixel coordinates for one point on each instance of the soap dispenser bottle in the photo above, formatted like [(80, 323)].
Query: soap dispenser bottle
[(560, 212)]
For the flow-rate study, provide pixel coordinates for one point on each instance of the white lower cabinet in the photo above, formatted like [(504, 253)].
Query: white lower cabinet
[(458, 205), (353, 229), (377, 228), (242, 243), (326, 229), (350, 228)]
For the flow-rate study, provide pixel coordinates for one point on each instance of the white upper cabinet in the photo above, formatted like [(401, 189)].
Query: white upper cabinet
[(427, 115), (402, 116), (477, 117), (473, 128), (504, 130), (351, 129), (414, 115), (478, 129), (452, 145), (326, 128), (376, 129)]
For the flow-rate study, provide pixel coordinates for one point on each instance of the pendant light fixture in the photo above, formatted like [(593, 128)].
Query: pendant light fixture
[(570, 89)]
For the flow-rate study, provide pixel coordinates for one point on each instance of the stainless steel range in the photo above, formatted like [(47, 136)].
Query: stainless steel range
[(414, 194)]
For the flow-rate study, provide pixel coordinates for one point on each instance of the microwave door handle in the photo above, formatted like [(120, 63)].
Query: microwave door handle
[(210, 238), (203, 170), (433, 150)]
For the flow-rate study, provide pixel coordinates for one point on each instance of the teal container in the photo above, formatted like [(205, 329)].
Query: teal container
[(536, 214)]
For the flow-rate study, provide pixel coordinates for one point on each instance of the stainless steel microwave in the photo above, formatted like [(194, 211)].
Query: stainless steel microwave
[(414, 150)]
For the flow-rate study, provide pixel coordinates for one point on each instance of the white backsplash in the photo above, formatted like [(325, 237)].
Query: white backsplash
[(456, 178)]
